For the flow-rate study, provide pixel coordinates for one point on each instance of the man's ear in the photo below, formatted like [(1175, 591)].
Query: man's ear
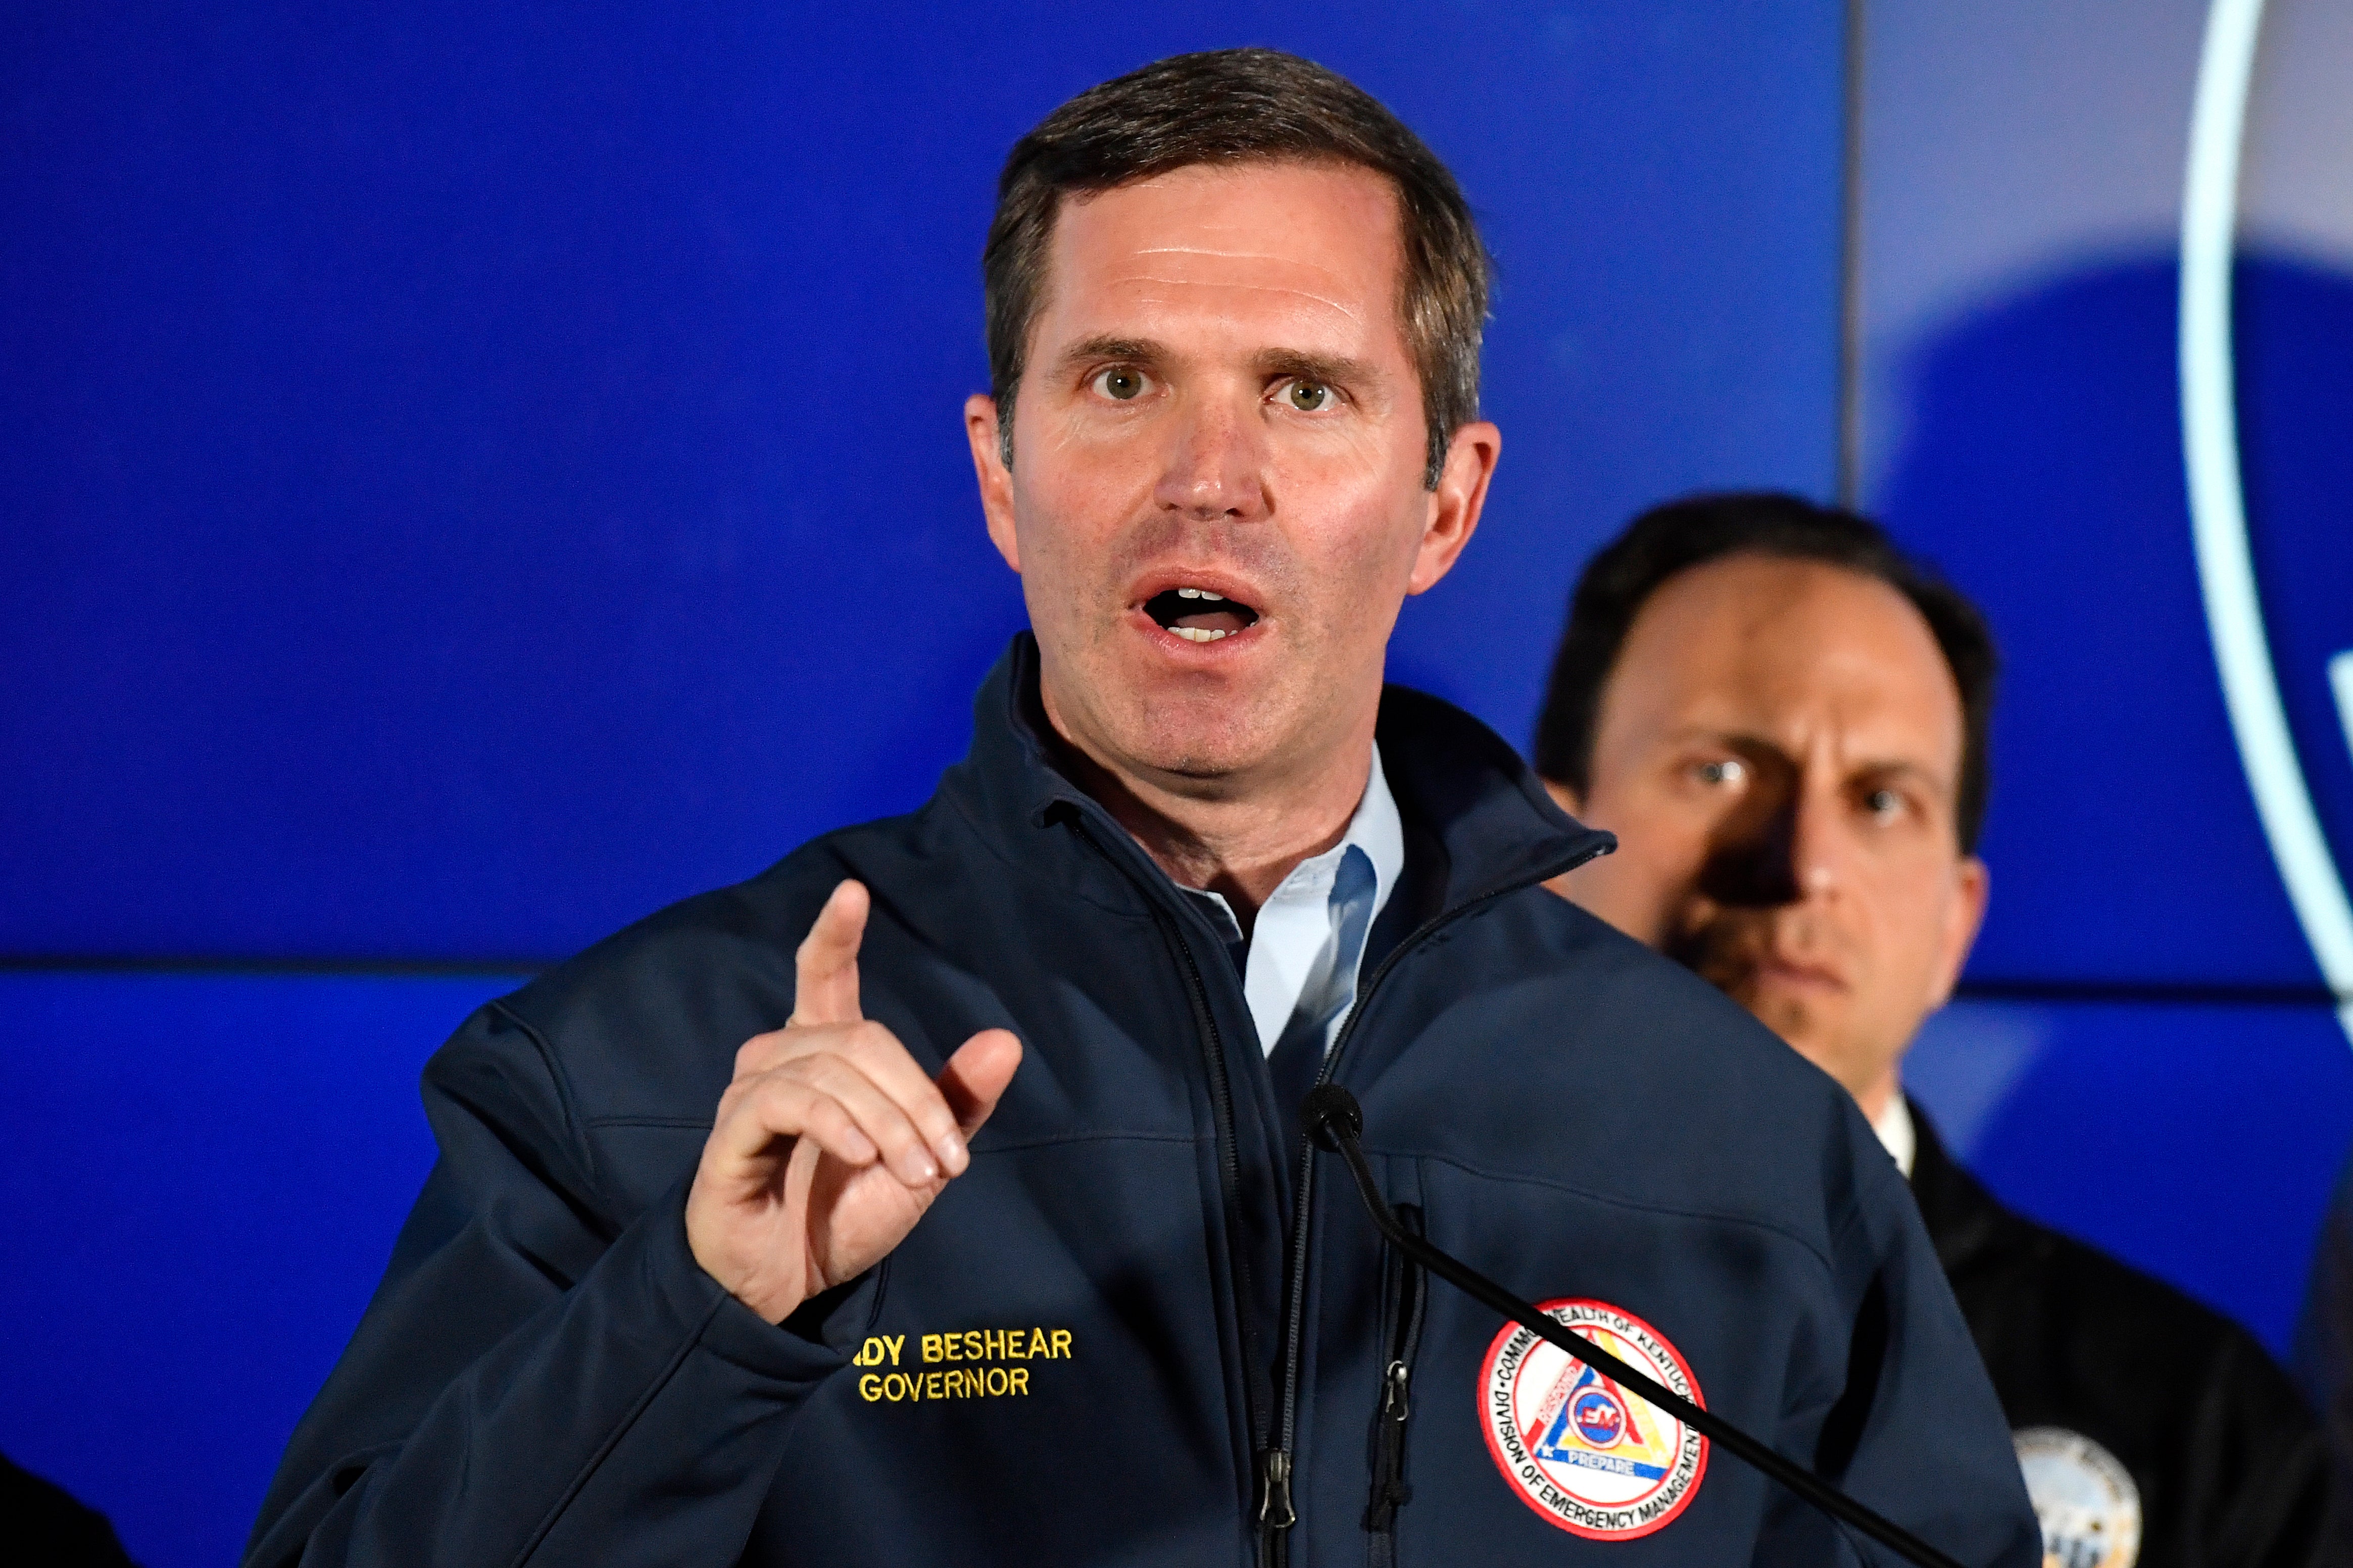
[(1963, 916), (996, 479), (1455, 504)]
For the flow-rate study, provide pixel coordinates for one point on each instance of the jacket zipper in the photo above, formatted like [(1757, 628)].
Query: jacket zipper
[(1277, 1515), (1230, 1181), (1405, 1290)]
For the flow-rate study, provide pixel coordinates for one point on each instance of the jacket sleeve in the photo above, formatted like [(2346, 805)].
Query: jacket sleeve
[(539, 1379), (1915, 1430)]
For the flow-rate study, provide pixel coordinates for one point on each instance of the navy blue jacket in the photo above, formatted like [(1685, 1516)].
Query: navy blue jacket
[(1140, 1303)]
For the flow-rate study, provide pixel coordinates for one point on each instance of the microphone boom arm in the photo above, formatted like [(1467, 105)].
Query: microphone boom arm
[(1335, 1122)]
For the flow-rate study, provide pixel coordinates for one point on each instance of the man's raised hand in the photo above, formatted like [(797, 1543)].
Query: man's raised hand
[(831, 1142)]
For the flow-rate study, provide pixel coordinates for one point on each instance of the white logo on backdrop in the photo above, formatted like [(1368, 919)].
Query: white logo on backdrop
[(2218, 511)]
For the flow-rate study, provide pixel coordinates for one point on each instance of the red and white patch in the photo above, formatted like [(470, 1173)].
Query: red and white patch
[(1588, 1456)]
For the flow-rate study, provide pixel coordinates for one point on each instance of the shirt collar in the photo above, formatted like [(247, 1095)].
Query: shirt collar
[(1894, 1125), (1374, 828), (1379, 832)]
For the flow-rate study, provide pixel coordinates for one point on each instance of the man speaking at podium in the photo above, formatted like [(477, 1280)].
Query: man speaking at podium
[(937, 1195)]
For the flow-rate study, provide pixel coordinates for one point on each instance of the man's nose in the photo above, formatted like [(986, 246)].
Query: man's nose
[(1216, 466), (1783, 846), (1820, 835)]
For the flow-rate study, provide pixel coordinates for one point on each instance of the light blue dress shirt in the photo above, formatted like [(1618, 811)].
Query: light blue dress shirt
[(1308, 942)]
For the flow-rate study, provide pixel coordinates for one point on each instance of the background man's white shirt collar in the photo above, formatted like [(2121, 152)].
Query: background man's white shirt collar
[(1896, 1131)]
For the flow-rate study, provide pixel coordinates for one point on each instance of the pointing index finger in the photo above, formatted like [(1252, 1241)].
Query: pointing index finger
[(825, 990)]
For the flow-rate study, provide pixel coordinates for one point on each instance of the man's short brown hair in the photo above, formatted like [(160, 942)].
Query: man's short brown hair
[(1242, 106)]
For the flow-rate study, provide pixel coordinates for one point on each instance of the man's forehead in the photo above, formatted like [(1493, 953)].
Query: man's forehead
[(1784, 650), (1317, 241)]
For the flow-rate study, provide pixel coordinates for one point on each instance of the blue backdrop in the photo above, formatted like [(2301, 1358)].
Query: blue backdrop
[(471, 478), (485, 474)]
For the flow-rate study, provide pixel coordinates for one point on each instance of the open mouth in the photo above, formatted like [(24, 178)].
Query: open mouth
[(1199, 614)]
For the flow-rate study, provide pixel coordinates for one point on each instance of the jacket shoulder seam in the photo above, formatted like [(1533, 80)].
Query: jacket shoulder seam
[(574, 1128)]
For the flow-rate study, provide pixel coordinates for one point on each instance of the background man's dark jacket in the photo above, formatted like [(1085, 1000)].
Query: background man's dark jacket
[(2226, 1457), (545, 1376)]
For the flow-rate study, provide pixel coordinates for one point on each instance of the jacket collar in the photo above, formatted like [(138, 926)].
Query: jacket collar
[(1459, 789), (1962, 1218)]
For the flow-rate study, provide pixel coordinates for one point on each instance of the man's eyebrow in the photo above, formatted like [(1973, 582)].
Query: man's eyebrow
[(1308, 366), (1096, 349), (1895, 767), (1721, 735)]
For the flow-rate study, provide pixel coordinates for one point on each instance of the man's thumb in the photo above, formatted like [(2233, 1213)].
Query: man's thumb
[(977, 1077)]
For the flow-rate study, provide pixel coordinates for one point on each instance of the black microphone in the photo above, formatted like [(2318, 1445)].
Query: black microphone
[(1333, 1119)]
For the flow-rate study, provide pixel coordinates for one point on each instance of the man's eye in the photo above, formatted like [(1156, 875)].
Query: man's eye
[(1310, 397), (1883, 803), (1121, 383), (1724, 771)]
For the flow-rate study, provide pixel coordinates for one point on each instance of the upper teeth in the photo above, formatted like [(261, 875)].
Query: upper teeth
[(1197, 594), (1198, 634)]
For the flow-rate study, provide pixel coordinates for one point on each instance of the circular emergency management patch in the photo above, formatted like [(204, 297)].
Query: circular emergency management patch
[(1586, 1454), (2085, 1500)]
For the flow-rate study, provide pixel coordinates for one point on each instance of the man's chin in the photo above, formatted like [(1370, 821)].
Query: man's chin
[(1255, 719), (1202, 756), (1199, 735), (1799, 1006), (1800, 1018)]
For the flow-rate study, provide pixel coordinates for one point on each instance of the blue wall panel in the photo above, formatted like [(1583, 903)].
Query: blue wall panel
[(475, 473), (202, 1176)]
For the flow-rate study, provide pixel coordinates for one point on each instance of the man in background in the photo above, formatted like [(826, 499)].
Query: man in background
[(1784, 719)]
